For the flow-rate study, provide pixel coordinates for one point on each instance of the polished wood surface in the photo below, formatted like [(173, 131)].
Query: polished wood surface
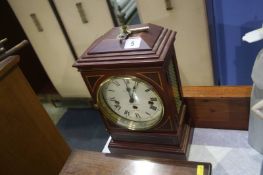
[(30, 143), (92, 163), (217, 91), (221, 107), (104, 58), (178, 152), (109, 44)]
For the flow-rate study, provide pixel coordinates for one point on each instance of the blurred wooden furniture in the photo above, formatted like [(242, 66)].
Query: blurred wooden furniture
[(92, 163), (221, 107), (30, 143)]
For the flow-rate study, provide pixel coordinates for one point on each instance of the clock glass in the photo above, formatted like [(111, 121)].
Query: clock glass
[(130, 102)]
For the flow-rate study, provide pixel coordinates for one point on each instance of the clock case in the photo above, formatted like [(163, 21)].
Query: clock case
[(155, 62)]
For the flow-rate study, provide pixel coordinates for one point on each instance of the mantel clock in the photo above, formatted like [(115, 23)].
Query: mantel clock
[(135, 83)]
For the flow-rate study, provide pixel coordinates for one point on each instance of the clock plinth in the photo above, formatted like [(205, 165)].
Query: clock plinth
[(136, 85), (179, 152)]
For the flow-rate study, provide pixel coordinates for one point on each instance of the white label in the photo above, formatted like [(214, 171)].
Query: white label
[(132, 43)]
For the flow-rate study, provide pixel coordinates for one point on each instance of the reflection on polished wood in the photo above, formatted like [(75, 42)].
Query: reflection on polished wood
[(222, 107), (92, 163)]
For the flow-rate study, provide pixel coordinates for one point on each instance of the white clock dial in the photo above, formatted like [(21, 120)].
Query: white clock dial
[(132, 99)]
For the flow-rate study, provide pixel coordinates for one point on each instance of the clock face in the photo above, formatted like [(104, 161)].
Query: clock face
[(130, 102)]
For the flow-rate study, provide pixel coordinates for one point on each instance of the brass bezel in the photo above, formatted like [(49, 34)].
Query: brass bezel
[(121, 121)]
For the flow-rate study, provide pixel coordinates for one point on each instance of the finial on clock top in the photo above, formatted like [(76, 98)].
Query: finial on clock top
[(124, 31)]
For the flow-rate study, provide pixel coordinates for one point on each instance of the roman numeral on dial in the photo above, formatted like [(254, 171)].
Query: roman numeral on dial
[(153, 107), (147, 90), (126, 81), (126, 112), (112, 98), (148, 113), (117, 106), (137, 115), (153, 99), (116, 83)]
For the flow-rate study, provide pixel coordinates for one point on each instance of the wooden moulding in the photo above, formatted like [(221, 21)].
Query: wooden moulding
[(179, 152), (221, 107)]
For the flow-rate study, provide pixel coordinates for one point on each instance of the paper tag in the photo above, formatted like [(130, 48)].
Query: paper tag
[(200, 170), (132, 43)]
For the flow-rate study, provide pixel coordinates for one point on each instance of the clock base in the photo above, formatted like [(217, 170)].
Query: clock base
[(155, 150)]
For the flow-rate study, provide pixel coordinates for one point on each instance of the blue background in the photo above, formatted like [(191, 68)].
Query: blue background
[(229, 20)]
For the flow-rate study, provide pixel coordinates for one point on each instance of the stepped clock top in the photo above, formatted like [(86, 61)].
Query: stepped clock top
[(111, 43), (147, 44)]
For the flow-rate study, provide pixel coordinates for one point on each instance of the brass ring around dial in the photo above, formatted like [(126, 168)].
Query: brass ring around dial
[(119, 120)]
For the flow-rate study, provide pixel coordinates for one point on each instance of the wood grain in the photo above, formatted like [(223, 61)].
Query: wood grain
[(92, 163), (216, 91), (178, 152), (106, 59), (30, 143), (221, 107)]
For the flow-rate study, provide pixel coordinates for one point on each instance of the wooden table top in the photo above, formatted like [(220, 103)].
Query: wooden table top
[(94, 163)]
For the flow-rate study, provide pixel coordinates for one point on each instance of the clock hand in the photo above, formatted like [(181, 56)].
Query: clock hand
[(136, 83), (128, 89)]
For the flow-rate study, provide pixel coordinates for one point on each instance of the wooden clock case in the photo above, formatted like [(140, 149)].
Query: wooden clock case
[(155, 62)]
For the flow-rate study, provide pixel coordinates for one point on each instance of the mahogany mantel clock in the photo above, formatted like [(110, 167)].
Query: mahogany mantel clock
[(135, 83)]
